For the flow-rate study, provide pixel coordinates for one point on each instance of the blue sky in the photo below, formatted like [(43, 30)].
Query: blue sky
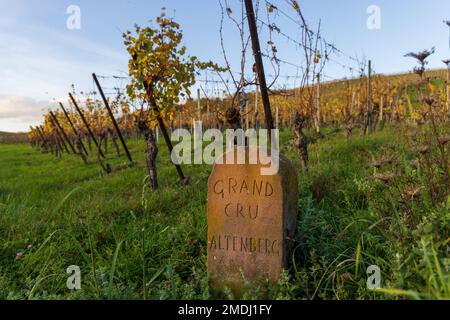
[(40, 57)]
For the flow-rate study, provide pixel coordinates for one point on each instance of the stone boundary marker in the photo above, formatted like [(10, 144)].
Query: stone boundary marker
[(251, 221)]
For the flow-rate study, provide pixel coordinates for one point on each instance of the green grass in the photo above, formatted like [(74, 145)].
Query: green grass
[(131, 243)]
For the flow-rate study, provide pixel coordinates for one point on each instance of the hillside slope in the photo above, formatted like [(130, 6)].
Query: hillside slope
[(8, 137)]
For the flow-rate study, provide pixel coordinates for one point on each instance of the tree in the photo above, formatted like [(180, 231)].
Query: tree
[(421, 58), (161, 72)]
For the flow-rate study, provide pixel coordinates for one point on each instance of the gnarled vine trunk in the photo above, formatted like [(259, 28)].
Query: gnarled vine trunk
[(301, 141), (151, 154), (150, 158), (114, 141)]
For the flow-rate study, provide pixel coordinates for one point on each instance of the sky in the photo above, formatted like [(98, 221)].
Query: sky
[(40, 57)]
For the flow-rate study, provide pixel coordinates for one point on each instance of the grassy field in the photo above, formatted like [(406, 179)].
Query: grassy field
[(131, 243)]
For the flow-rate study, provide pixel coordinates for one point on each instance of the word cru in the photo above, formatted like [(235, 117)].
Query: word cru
[(211, 153), (374, 279), (73, 22), (374, 20), (74, 280)]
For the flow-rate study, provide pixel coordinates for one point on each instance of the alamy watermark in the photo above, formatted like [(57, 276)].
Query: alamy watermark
[(74, 280), (250, 146), (374, 19), (73, 22), (374, 277)]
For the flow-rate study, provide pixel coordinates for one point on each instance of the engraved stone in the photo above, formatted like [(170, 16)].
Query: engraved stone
[(251, 222)]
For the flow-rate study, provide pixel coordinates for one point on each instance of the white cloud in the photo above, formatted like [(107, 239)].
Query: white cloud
[(17, 113), (39, 63), (22, 108)]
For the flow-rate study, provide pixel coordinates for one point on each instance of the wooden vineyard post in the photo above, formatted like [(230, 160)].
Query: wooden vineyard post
[(259, 64), (388, 103), (381, 108), (290, 117), (86, 124), (359, 106), (408, 100), (59, 144), (63, 133), (199, 104), (277, 117), (448, 90), (208, 116), (255, 124), (247, 120), (75, 131), (369, 99), (162, 126), (352, 106), (116, 126), (318, 112), (41, 135), (59, 139)]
